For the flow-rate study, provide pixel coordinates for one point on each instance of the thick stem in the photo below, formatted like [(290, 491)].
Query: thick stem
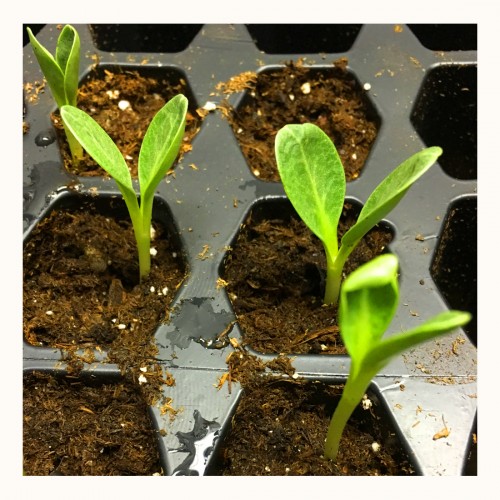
[(144, 238), (141, 222), (74, 146), (334, 268), (352, 394)]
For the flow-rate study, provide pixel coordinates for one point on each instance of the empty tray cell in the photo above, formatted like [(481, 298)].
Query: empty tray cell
[(143, 37), (90, 426), (454, 265), (446, 36), (303, 38), (445, 114)]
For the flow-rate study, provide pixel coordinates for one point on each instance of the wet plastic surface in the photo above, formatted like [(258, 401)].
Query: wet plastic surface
[(421, 96)]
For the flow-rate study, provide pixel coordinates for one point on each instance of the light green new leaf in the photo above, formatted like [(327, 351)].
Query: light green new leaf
[(389, 193), (161, 143), (98, 145), (68, 58), (313, 178), (368, 302), (442, 323)]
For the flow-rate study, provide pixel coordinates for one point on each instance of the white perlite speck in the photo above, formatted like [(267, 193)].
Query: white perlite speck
[(123, 105), (366, 403), (210, 106)]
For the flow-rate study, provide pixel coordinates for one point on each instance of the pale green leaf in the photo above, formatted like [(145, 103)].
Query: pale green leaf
[(98, 144), (390, 192), (368, 301), (50, 69), (161, 143), (313, 177), (68, 59)]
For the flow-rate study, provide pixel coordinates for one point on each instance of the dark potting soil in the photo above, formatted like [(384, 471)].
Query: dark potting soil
[(280, 426), (76, 429), (82, 290), (328, 97), (275, 280), (124, 103)]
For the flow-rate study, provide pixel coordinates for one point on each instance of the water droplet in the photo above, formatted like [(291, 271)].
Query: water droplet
[(45, 138)]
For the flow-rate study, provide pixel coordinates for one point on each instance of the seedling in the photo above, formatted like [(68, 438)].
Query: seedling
[(159, 149), (368, 301), (61, 73), (314, 180)]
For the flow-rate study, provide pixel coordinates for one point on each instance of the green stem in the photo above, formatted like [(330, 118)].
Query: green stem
[(143, 237), (141, 222), (352, 394), (74, 146), (334, 268)]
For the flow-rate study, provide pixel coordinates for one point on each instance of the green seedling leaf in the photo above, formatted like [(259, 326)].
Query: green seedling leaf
[(372, 300), (368, 302), (159, 149), (62, 74), (161, 143), (98, 145), (314, 180), (68, 59), (390, 192)]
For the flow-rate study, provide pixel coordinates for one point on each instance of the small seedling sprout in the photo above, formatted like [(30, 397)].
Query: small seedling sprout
[(62, 73), (314, 180), (159, 149), (368, 301)]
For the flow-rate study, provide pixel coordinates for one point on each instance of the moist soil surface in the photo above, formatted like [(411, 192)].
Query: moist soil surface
[(275, 276), (82, 288), (328, 97), (280, 426), (75, 429)]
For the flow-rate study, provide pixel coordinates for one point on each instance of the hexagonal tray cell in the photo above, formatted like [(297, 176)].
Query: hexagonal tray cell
[(454, 264), (275, 273), (123, 100), (86, 425), (445, 114), (279, 429), (328, 96), (446, 36), (143, 37), (303, 38), (81, 285)]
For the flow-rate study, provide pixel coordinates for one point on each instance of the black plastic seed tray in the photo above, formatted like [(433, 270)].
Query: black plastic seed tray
[(421, 81)]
